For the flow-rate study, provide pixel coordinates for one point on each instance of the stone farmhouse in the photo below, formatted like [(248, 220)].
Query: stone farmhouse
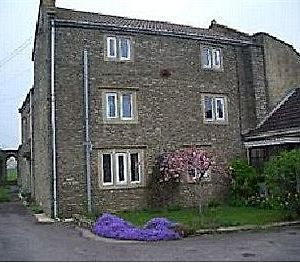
[(111, 94)]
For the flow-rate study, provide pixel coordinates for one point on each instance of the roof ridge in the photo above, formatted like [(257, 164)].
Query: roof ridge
[(135, 19)]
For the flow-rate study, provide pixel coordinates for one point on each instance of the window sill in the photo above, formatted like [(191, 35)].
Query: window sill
[(118, 60), (213, 69), (216, 122), (122, 186), (118, 121)]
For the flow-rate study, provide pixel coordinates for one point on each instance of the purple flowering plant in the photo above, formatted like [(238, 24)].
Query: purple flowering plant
[(156, 229)]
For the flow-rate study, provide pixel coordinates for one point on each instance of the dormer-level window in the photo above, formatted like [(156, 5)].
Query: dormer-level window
[(124, 48), (211, 58), (111, 47), (118, 48)]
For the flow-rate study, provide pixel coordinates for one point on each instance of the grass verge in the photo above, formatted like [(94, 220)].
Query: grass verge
[(4, 193), (12, 175), (212, 217)]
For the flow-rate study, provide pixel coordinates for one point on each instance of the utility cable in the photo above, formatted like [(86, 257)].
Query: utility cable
[(15, 52)]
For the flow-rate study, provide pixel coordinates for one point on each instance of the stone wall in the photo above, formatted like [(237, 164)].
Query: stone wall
[(282, 67), (42, 154), (170, 114), (24, 179)]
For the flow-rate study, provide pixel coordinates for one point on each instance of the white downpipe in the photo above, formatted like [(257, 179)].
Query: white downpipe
[(87, 129), (53, 124), (31, 143)]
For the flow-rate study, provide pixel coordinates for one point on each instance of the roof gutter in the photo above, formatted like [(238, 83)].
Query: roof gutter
[(273, 133), (270, 142)]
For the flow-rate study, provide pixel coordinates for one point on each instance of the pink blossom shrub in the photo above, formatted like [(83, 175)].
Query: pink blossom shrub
[(184, 165)]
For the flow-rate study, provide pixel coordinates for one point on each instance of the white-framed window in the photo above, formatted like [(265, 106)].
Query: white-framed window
[(216, 58), (119, 106), (220, 108), (135, 168), (118, 48), (211, 58), (121, 168), (209, 108), (124, 48), (215, 108), (111, 44), (126, 106), (111, 105), (107, 169), (206, 57)]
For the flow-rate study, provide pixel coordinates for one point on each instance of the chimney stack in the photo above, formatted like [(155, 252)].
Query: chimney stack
[(47, 3)]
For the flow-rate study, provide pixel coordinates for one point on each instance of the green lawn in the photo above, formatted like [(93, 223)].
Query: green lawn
[(12, 175), (4, 193), (212, 217)]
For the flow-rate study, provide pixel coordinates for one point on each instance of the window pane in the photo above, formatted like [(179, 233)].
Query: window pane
[(126, 105), (220, 109), (107, 176), (134, 162), (206, 57), (121, 168), (111, 107), (208, 101), (124, 48), (216, 58), (111, 47)]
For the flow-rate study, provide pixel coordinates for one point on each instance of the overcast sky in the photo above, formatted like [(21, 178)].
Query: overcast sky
[(18, 17)]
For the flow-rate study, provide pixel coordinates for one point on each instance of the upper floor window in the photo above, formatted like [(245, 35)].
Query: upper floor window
[(215, 109), (118, 48), (111, 47), (211, 58), (120, 106)]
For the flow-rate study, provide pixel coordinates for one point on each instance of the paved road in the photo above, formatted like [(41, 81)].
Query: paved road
[(22, 239)]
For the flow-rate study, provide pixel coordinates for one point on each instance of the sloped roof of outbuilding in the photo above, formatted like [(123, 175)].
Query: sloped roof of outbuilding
[(285, 116)]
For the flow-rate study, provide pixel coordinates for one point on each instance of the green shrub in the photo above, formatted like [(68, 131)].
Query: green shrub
[(282, 174), (244, 184)]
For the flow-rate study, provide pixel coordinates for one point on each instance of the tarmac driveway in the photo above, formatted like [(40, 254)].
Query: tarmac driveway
[(22, 239)]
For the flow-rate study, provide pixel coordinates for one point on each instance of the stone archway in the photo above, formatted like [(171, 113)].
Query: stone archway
[(5, 155)]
